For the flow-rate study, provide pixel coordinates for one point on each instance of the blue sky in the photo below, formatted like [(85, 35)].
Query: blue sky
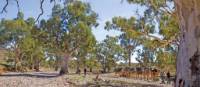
[(106, 9)]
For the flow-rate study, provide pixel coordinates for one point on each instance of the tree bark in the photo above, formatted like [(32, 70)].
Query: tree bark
[(90, 69), (57, 63), (17, 60), (104, 65), (129, 59), (78, 66), (64, 65), (37, 65), (188, 65)]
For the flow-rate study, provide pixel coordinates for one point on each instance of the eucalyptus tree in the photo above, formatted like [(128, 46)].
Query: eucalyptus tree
[(135, 32), (19, 36), (146, 57), (162, 18), (69, 30), (109, 53), (33, 46), (85, 55), (158, 18), (92, 62), (12, 33), (187, 60), (129, 46), (188, 55)]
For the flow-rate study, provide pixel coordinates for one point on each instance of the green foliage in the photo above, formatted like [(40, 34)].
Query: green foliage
[(19, 38), (169, 26), (20, 15), (69, 30), (143, 28), (92, 63), (109, 53), (146, 57), (166, 59)]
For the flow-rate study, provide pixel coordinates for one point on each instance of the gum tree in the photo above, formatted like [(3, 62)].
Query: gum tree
[(187, 16), (69, 30), (188, 55)]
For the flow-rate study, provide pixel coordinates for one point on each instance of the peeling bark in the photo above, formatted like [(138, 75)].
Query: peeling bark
[(188, 73)]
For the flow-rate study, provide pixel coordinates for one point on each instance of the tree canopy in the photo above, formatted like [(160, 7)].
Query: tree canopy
[(67, 34)]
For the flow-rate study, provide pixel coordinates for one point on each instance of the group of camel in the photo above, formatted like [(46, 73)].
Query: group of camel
[(138, 73)]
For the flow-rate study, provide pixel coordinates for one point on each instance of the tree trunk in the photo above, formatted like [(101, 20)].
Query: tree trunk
[(64, 65), (129, 59), (104, 70), (78, 67), (17, 60), (16, 64), (32, 66), (37, 65), (188, 65), (104, 65), (57, 63), (90, 69), (108, 69)]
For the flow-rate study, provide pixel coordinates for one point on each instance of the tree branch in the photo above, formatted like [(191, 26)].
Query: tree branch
[(164, 42), (167, 42), (4, 8), (42, 10), (17, 2), (75, 48), (145, 34), (166, 10)]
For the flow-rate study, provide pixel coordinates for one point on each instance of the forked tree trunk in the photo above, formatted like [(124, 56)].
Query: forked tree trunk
[(64, 65), (188, 61)]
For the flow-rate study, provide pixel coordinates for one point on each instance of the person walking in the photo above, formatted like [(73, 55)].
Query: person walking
[(85, 71), (168, 77)]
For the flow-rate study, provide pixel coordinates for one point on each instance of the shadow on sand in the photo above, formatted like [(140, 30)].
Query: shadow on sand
[(31, 74), (118, 85)]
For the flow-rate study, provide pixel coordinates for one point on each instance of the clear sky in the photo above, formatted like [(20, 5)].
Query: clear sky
[(106, 9)]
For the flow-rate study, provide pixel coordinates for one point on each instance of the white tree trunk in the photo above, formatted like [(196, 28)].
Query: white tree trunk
[(64, 64), (188, 65)]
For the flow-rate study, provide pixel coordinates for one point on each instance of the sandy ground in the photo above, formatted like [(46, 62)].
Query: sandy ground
[(32, 80), (52, 79)]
